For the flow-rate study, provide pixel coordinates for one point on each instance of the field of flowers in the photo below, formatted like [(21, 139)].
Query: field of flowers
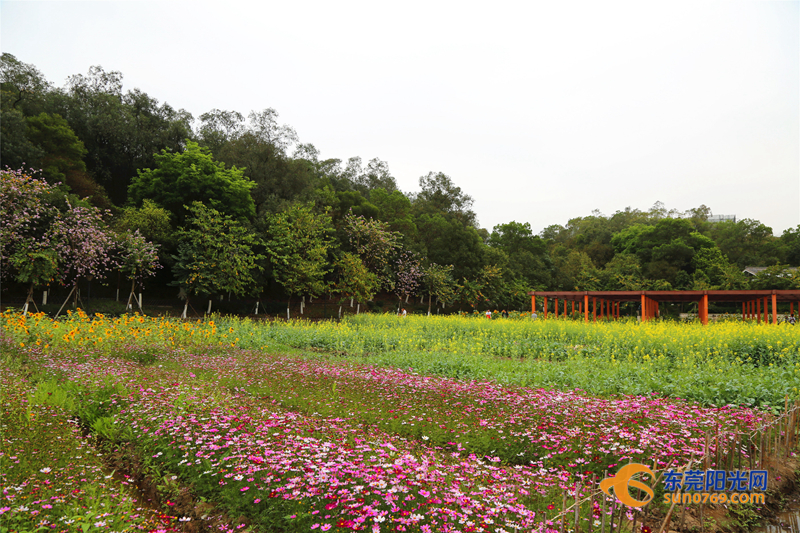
[(236, 432), (720, 364)]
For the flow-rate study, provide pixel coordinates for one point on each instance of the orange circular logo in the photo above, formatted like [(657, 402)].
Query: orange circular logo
[(622, 482)]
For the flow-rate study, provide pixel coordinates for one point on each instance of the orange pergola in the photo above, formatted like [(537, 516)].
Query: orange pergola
[(605, 304)]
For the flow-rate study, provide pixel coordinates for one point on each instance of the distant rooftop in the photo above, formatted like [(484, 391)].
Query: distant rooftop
[(722, 218), (754, 271)]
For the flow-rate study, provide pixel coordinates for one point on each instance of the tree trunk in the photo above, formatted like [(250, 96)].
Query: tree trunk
[(288, 304), (131, 295), (358, 308), (185, 307), (65, 301), (28, 300), (429, 304)]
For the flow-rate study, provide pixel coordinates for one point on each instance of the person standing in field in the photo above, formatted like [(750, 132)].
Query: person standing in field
[(488, 314)]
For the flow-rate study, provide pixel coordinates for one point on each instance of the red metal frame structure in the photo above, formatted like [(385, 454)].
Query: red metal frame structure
[(610, 301)]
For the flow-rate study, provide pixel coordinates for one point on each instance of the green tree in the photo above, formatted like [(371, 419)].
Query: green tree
[(776, 277), (374, 243), (18, 150), (623, 273), (138, 260), (121, 131), (62, 159), (152, 221), (394, 208), (354, 280), (528, 257), (297, 245), (746, 242), (22, 86), (215, 255), (36, 265), (791, 244), (437, 280), (193, 176)]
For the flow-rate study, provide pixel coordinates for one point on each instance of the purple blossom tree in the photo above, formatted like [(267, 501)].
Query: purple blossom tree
[(407, 275), (84, 245), (25, 240), (22, 210)]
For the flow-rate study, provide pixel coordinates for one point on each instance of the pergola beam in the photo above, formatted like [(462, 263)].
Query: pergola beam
[(650, 301)]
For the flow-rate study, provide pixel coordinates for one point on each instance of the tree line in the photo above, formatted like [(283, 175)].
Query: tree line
[(234, 204)]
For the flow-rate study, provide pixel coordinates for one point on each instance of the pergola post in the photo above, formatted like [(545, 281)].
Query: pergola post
[(533, 304), (644, 308), (586, 308), (774, 308), (544, 307), (703, 310)]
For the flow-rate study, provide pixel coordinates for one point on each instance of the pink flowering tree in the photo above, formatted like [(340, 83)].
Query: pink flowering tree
[(25, 236), (23, 210), (138, 260), (407, 275), (84, 245)]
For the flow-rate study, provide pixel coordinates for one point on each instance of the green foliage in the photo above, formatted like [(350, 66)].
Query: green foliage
[(18, 150), (23, 85), (528, 257), (35, 264), (193, 176), (297, 246), (374, 243), (746, 242), (780, 277), (215, 254), (152, 221), (438, 282), (354, 279)]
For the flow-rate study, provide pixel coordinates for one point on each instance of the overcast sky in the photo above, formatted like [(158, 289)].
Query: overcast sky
[(541, 111)]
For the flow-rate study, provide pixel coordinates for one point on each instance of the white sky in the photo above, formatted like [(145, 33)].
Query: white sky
[(542, 111)]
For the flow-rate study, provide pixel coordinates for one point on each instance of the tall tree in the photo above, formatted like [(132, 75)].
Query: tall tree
[(138, 260), (374, 243), (354, 279), (297, 245), (121, 131), (193, 176), (438, 281), (528, 257), (215, 256)]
